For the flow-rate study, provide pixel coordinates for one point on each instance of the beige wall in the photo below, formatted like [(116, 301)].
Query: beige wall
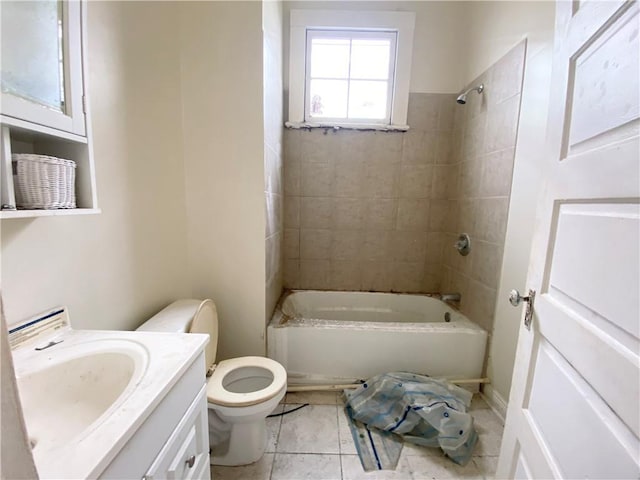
[(273, 163), (115, 269), (223, 128), (438, 39)]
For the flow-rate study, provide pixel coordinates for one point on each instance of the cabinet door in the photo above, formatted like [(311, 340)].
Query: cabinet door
[(41, 64)]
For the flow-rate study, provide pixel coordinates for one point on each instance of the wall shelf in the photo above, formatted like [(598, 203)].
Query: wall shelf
[(27, 126), (7, 214)]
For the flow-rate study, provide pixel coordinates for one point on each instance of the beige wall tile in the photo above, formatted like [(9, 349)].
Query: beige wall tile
[(346, 275), (438, 215), (381, 180), (384, 147), (291, 247), (377, 276), (491, 219), (346, 244), (423, 111), (444, 148), (441, 182), (502, 125), (435, 247), (291, 274), (407, 276), (381, 213), (432, 278), (350, 179), (497, 172), (474, 137), (291, 211), (318, 180), (349, 213), (376, 246), (479, 304), (419, 147), (416, 181), (315, 244), (316, 212), (315, 274), (413, 214), (408, 246), (487, 260), (446, 112), (507, 74), (291, 178)]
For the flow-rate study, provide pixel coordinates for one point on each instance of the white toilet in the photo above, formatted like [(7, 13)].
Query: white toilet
[(241, 392)]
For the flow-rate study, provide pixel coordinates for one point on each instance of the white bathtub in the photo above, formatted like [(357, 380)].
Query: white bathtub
[(328, 337)]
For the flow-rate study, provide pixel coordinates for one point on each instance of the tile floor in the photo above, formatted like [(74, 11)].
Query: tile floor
[(315, 443)]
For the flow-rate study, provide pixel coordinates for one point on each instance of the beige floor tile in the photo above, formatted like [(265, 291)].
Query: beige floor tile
[(486, 466), (352, 470), (478, 403), (273, 429), (260, 470), (312, 429), (436, 468), (306, 467), (412, 450), (489, 428), (347, 446), (313, 398)]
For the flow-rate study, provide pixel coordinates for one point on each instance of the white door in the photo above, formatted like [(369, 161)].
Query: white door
[(574, 407)]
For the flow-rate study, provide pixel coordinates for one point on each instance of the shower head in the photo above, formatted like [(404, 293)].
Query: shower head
[(462, 98)]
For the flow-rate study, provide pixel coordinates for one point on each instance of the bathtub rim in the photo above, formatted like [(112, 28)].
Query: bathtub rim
[(281, 320)]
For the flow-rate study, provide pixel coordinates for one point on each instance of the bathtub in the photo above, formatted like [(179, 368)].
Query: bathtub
[(337, 337)]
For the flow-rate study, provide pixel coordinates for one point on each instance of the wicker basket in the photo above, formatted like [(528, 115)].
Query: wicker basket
[(43, 182)]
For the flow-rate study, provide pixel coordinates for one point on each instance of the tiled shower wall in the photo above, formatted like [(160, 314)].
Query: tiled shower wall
[(368, 210), (485, 132), (381, 211)]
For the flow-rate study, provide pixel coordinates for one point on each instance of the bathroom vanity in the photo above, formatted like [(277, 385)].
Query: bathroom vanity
[(112, 404)]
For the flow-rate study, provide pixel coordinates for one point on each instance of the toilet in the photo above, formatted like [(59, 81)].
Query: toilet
[(241, 392)]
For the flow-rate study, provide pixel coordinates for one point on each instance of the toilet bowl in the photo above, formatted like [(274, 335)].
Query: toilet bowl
[(241, 392)]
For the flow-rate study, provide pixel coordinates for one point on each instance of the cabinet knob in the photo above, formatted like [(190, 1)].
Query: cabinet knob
[(191, 461)]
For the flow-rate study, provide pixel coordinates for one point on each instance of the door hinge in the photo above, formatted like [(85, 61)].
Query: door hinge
[(84, 104)]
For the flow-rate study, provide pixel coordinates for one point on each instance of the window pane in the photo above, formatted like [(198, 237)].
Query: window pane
[(328, 99), (330, 58), (370, 59), (368, 99), (32, 51)]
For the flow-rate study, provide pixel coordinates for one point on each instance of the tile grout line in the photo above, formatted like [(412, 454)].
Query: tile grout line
[(275, 446)]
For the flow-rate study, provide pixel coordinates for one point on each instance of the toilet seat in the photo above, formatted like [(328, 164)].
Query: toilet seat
[(217, 394)]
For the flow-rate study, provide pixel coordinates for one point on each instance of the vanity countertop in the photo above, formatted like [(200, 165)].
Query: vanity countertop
[(161, 360)]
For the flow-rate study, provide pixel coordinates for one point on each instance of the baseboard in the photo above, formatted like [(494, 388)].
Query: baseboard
[(495, 401)]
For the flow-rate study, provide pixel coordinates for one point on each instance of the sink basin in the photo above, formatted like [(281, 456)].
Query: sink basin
[(76, 387)]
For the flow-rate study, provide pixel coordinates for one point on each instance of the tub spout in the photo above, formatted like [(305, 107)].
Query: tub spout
[(450, 297)]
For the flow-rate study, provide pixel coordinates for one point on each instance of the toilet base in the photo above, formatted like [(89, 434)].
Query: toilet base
[(246, 444)]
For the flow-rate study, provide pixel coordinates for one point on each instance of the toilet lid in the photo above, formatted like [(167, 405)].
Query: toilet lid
[(219, 395), (205, 320)]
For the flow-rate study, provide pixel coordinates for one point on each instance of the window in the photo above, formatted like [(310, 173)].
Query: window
[(349, 75), (350, 68)]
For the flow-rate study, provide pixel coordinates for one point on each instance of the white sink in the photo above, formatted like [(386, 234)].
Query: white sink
[(75, 388)]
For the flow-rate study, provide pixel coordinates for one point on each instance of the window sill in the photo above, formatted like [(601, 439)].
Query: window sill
[(347, 126)]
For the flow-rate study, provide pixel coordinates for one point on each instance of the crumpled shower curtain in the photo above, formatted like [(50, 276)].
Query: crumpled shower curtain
[(422, 410)]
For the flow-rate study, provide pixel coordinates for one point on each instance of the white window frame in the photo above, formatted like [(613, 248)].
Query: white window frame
[(302, 20), (390, 35)]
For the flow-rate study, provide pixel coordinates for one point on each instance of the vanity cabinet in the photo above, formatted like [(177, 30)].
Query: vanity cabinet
[(173, 442), (43, 99)]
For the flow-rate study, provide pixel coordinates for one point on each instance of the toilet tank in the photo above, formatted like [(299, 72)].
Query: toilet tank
[(176, 317), (188, 316)]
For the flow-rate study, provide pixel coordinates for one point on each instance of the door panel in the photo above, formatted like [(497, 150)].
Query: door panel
[(574, 409)]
